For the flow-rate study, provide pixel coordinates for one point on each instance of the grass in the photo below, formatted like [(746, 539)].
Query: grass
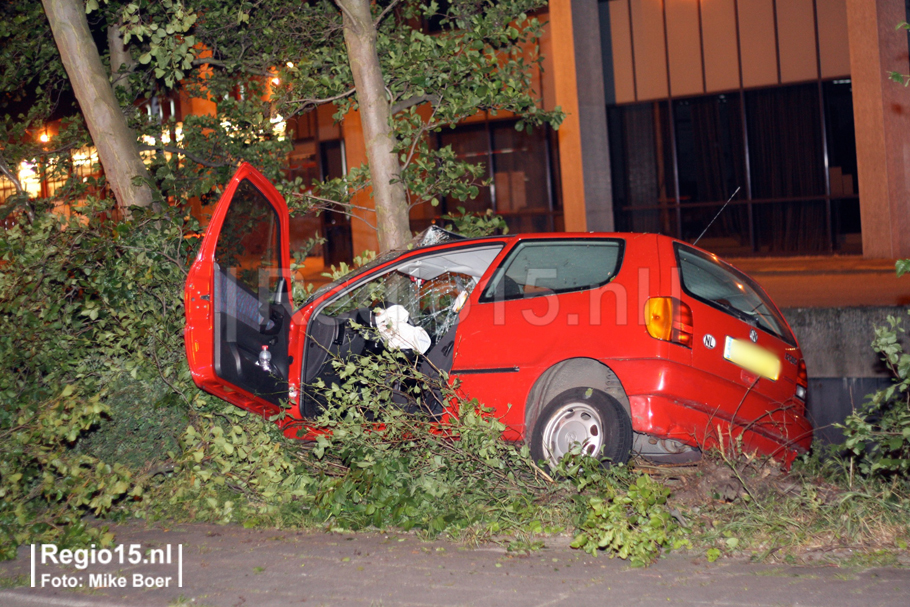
[(820, 512), (14, 581), (817, 513)]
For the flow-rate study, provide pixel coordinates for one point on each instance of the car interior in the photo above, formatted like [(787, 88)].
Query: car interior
[(432, 289)]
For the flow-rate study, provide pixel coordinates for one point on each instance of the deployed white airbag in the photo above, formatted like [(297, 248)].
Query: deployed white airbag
[(395, 331)]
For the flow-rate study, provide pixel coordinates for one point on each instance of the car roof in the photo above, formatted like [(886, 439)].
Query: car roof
[(549, 236)]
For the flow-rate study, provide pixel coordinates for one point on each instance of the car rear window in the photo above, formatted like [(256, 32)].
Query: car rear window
[(542, 267), (729, 290)]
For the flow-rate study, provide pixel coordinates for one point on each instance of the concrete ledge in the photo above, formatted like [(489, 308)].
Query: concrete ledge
[(828, 282), (843, 368)]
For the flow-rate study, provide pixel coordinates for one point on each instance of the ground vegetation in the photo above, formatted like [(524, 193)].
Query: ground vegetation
[(99, 419)]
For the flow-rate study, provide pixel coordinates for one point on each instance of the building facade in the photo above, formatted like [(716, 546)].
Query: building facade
[(783, 107), (757, 127)]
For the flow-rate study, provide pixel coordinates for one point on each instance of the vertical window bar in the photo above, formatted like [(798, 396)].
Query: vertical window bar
[(701, 50), (491, 168), (776, 40), (672, 126), (632, 48), (822, 121), (745, 129), (551, 224)]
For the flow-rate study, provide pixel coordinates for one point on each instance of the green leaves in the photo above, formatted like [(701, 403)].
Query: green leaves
[(84, 305), (627, 517), (902, 266), (878, 433), (475, 224)]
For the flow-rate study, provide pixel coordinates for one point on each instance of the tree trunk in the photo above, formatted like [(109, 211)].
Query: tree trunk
[(115, 143), (375, 115)]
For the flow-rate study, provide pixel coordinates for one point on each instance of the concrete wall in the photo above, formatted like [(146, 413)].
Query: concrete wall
[(843, 368), (836, 342)]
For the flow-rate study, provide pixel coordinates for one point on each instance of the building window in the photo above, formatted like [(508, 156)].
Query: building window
[(772, 143), (518, 171), (644, 189)]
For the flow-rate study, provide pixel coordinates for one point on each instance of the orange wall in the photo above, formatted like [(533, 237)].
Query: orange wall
[(773, 40), (569, 133)]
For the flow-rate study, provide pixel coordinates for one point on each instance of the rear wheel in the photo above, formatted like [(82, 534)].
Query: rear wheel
[(584, 416)]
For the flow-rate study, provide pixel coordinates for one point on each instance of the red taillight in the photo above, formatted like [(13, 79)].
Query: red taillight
[(669, 319), (802, 375), (802, 381)]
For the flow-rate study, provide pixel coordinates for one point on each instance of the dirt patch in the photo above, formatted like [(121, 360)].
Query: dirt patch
[(713, 480), (749, 507)]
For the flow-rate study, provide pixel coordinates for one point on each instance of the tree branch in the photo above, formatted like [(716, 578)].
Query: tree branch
[(348, 14), (7, 172), (385, 12), (423, 131), (412, 101), (19, 199), (145, 147), (222, 64), (315, 102), (341, 207)]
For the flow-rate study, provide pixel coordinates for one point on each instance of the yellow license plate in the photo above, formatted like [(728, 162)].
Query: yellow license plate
[(752, 358)]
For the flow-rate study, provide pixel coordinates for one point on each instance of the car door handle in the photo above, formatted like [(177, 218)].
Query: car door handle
[(275, 322)]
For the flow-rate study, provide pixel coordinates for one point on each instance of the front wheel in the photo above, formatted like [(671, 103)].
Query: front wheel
[(584, 416)]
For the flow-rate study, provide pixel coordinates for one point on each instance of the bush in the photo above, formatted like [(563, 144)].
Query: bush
[(878, 434), (89, 311)]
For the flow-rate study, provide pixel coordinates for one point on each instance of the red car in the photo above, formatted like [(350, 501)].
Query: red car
[(620, 342)]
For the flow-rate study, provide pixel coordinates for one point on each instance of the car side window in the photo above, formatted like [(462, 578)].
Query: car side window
[(733, 292), (541, 267), (248, 243)]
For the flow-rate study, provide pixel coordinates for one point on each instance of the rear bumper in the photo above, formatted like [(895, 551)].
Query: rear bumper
[(702, 426), (779, 430)]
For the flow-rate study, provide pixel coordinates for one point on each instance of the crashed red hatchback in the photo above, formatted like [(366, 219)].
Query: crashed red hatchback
[(624, 343)]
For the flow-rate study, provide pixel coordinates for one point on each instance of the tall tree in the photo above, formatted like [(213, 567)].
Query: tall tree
[(116, 145), (265, 62)]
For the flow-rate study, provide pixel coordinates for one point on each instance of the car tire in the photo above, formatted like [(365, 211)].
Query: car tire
[(587, 416)]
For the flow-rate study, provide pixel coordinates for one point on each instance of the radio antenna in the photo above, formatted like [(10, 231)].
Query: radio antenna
[(735, 192)]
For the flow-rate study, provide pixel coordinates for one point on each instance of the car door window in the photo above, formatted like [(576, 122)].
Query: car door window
[(248, 244), (251, 299), (723, 287), (543, 267)]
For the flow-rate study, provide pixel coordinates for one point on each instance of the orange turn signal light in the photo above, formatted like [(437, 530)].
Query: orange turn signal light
[(669, 319)]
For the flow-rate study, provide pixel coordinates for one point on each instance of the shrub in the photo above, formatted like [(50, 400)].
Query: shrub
[(86, 307), (878, 434)]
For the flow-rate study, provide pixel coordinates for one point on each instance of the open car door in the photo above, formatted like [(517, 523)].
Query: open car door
[(238, 298)]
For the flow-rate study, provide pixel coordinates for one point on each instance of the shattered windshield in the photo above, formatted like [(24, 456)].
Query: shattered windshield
[(431, 288), (431, 304), (433, 235), (380, 259)]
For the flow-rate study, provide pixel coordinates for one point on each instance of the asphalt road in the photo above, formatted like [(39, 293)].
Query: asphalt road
[(232, 566)]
